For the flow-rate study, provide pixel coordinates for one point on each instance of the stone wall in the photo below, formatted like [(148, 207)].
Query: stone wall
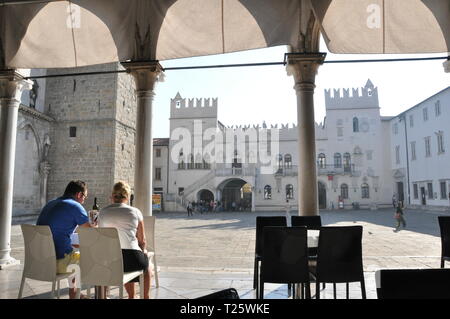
[(34, 130), (86, 104)]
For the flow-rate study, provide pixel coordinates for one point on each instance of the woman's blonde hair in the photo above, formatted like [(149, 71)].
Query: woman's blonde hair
[(121, 191)]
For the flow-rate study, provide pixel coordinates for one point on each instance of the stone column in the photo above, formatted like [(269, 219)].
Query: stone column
[(304, 68), (44, 169), (11, 86), (145, 74)]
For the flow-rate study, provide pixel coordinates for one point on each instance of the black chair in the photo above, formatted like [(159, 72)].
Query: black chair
[(339, 258), (444, 226), (261, 222), (285, 258), (229, 293), (413, 283)]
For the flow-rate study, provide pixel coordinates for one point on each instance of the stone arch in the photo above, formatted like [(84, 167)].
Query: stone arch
[(27, 125), (27, 177)]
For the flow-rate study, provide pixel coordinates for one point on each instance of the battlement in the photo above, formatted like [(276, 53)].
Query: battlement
[(193, 108), (367, 98)]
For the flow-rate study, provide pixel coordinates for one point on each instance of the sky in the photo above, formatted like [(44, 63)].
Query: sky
[(251, 95)]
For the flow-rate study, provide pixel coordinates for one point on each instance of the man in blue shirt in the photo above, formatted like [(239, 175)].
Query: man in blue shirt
[(63, 215)]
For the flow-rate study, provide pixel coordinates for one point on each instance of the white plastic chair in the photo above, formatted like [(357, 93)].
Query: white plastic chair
[(149, 229), (101, 261), (40, 258)]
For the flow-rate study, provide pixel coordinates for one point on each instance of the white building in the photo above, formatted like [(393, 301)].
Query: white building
[(421, 152), (354, 164)]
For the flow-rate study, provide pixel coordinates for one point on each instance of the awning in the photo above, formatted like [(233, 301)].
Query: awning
[(38, 34)]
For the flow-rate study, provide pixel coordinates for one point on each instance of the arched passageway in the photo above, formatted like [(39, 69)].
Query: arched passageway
[(236, 195)]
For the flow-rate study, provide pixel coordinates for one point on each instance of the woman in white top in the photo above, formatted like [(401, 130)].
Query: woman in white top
[(130, 225)]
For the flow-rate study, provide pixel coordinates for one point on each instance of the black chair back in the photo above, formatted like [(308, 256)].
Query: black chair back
[(263, 221), (444, 226), (285, 255), (229, 293), (339, 256), (311, 222), (414, 284)]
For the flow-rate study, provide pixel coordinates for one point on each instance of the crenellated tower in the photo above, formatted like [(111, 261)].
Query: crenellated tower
[(364, 97)]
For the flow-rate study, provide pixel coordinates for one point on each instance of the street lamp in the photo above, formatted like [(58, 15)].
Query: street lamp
[(402, 118)]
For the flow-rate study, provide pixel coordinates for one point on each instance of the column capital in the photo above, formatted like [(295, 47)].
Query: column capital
[(12, 84), (304, 68), (145, 73)]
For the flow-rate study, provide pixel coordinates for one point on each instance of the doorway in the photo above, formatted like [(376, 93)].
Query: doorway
[(322, 196), (400, 192), (423, 196)]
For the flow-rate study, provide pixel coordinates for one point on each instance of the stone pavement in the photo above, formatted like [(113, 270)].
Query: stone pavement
[(204, 253)]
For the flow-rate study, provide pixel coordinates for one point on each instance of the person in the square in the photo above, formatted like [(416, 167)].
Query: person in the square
[(63, 215), (129, 223)]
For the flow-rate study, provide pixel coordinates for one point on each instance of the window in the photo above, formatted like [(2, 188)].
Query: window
[(427, 147), (337, 160), (347, 162), (416, 191), (430, 190), (425, 114), (288, 161), (322, 160), (267, 192), (158, 152), (397, 154), (437, 108), (365, 191), (157, 173), (344, 191), (73, 131), (190, 165), (411, 121), (355, 124), (180, 191), (443, 190), (289, 191), (440, 142), (280, 160), (413, 151)]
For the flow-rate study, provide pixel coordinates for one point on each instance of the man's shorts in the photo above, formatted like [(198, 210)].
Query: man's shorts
[(71, 258)]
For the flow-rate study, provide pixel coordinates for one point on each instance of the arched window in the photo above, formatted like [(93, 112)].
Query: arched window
[(191, 162), (337, 160), (355, 124), (267, 192), (365, 191), (289, 191), (322, 160), (288, 161), (181, 160), (344, 191), (347, 162), (280, 160)]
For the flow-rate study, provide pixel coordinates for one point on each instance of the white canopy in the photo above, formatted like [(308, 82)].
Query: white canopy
[(49, 34)]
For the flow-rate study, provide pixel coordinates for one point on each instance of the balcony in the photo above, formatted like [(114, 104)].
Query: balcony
[(237, 170), (336, 170)]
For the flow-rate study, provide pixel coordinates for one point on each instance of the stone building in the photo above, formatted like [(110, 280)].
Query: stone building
[(81, 127)]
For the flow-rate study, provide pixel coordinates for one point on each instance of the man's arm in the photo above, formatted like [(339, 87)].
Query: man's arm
[(140, 235)]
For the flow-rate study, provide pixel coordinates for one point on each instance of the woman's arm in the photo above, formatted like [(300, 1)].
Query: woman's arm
[(140, 235)]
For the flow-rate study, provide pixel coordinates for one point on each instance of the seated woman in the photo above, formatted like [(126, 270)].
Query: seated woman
[(130, 225)]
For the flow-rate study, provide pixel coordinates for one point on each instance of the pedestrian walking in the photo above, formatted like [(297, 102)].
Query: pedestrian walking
[(189, 209), (399, 216)]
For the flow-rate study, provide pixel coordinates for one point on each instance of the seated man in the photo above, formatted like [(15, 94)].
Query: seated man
[(63, 215)]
